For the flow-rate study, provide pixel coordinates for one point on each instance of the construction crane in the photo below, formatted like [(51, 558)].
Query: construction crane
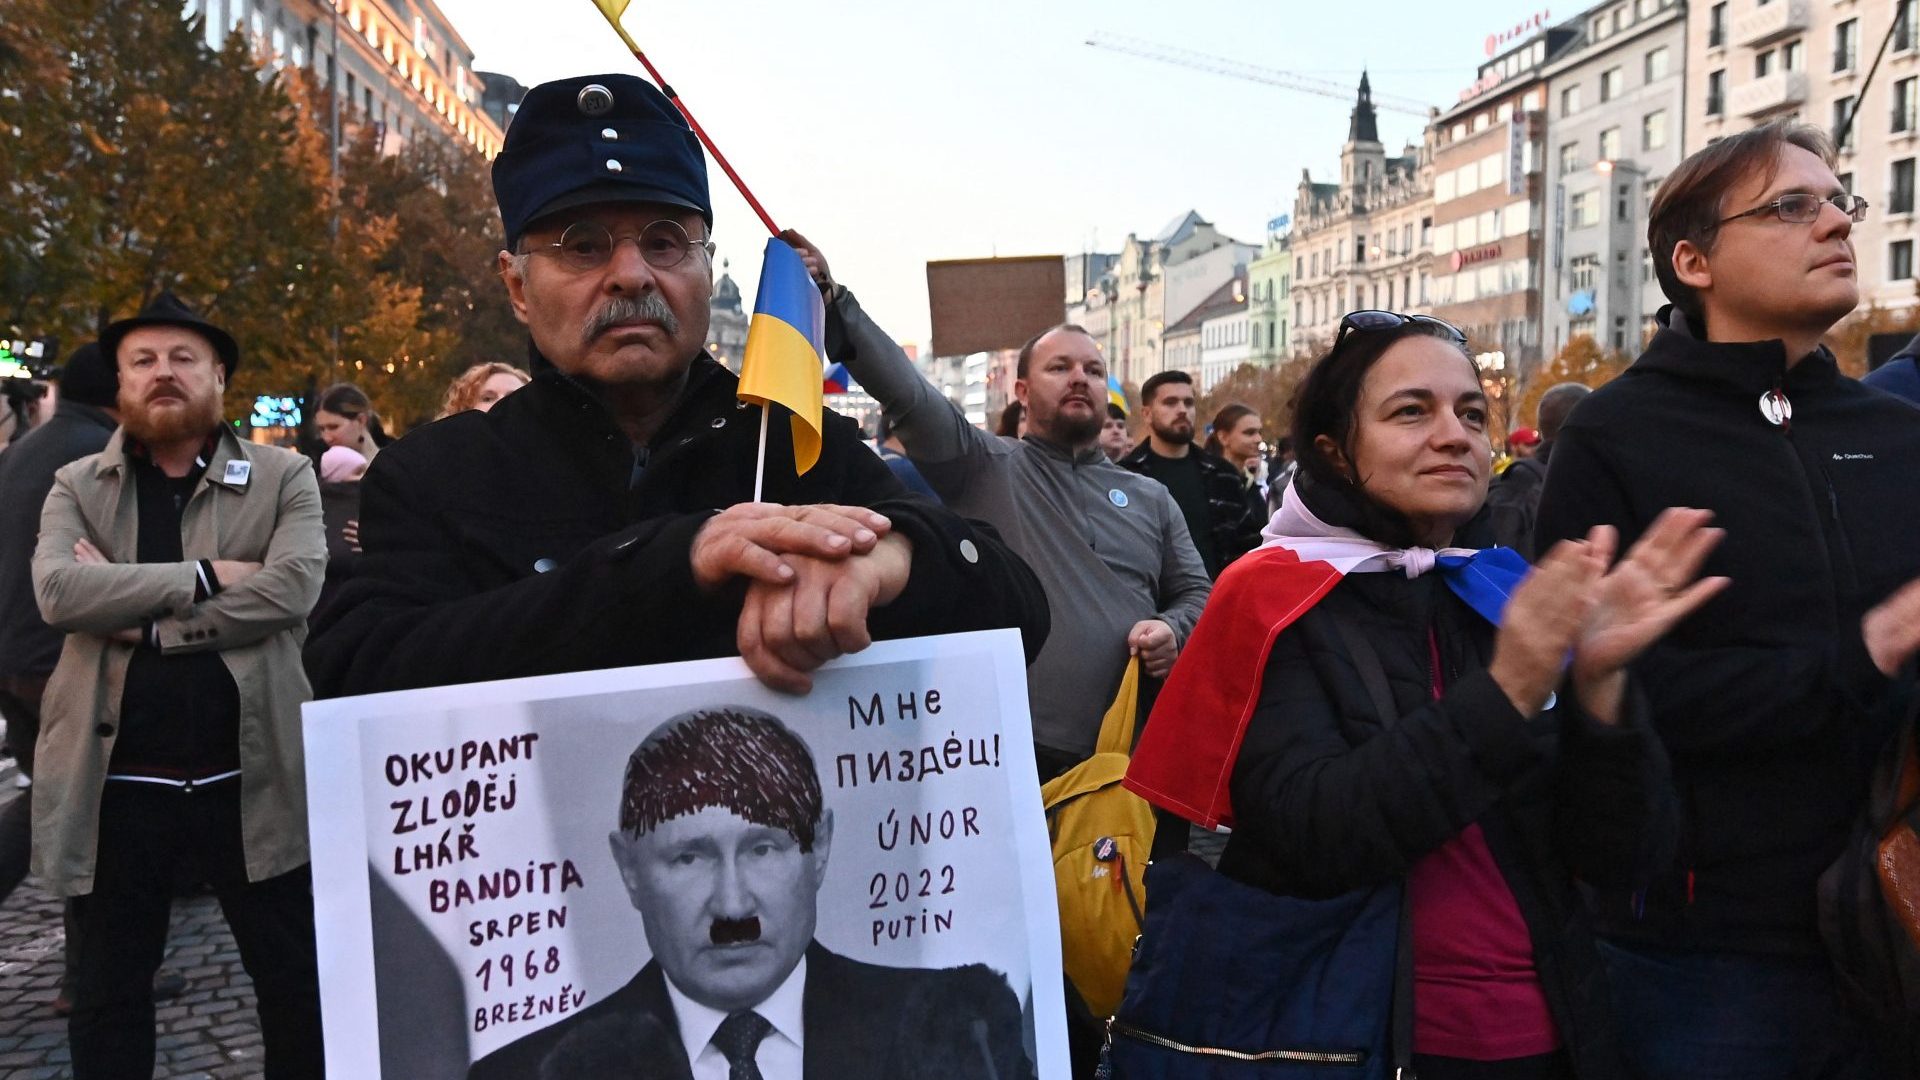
[(1235, 69)]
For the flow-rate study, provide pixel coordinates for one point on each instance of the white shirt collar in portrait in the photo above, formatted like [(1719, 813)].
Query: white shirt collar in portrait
[(780, 1054)]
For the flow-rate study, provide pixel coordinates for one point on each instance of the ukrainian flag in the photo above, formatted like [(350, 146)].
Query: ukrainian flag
[(1115, 394), (786, 345)]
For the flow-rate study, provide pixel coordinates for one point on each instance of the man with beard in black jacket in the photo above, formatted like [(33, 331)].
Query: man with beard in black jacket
[(600, 517), (1775, 698)]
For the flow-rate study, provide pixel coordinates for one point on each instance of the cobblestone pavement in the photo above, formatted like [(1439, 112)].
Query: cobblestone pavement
[(210, 1030)]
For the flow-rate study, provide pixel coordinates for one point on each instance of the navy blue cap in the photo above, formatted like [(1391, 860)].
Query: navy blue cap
[(596, 138)]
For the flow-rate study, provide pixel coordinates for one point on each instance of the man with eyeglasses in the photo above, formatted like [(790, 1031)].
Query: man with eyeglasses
[(601, 516), (1775, 699)]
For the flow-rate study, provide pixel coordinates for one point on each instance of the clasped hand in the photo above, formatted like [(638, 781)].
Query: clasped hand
[(1579, 602), (813, 575)]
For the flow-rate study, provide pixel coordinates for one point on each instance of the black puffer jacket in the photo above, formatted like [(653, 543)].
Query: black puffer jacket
[(517, 542), (1327, 802), (1236, 516), (1766, 698)]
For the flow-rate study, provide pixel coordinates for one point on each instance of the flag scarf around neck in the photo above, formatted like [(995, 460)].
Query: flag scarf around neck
[(786, 346), (1184, 761)]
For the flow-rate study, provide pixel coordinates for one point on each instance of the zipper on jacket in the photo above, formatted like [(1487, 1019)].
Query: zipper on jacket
[(1843, 544)]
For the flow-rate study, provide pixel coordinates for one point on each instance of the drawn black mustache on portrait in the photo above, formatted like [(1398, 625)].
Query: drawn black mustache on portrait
[(735, 931)]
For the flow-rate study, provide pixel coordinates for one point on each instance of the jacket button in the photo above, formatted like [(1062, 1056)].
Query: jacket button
[(104, 731), (541, 566), (969, 552), (719, 421)]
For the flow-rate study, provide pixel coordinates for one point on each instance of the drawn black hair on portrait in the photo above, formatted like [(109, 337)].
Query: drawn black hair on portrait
[(730, 756)]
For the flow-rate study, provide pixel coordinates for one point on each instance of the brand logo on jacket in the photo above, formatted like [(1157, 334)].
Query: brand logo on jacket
[(1853, 457)]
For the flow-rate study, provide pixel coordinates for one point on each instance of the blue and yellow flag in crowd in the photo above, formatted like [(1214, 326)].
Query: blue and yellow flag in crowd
[(786, 345), (1115, 395)]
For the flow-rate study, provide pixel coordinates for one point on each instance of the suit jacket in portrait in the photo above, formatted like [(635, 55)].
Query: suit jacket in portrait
[(863, 1022)]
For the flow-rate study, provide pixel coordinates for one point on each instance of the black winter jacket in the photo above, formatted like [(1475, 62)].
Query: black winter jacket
[(1326, 802), (28, 646), (1767, 700), (1237, 516), (510, 542)]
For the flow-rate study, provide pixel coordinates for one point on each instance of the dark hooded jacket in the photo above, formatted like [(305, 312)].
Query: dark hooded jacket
[(1767, 700), (535, 539)]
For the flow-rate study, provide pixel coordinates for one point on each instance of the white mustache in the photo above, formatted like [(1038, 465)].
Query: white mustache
[(648, 308)]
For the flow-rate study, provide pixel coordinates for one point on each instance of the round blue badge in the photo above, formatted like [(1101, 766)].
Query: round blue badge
[(1117, 497)]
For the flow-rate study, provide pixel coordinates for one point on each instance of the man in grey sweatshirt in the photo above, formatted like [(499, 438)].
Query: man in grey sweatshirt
[(1110, 547)]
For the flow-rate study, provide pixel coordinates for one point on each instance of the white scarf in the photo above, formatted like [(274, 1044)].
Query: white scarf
[(1300, 531)]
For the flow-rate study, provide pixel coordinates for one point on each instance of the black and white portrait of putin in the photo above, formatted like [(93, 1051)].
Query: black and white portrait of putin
[(723, 844)]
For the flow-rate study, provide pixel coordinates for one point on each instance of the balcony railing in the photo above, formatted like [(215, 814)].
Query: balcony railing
[(1778, 90), (1769, 22)]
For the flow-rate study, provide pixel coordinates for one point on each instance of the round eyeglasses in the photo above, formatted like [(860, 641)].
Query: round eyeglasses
[(588, 245), (1800, 208)]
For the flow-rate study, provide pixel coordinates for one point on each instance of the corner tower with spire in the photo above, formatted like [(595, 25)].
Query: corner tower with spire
[(1362, 159)]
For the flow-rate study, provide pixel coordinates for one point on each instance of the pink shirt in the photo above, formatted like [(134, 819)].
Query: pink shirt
[(1476, 993)]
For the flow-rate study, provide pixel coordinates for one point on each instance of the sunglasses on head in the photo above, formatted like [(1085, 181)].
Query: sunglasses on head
[(1365, 321)]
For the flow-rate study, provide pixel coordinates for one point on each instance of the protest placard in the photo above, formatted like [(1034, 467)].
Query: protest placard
[(591, 874)]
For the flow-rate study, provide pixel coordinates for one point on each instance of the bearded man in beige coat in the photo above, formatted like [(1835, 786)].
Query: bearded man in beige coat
[(182, 563)]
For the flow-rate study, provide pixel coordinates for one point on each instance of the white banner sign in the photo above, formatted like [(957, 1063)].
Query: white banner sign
[(655, 872)]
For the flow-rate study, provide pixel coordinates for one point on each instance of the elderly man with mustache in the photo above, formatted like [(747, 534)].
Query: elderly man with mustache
[(601, 516)]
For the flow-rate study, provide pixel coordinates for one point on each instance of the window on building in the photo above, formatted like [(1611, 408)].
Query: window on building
[(1518, 219), (1763, 64), (1653, 130), (1482, 121), (1584, 208), (1656, 65), (1443, 188), (1622, 208), (1458, 132), (1298, 267), (1426, 231), (1442, 239), (1581, 270), (1406, 238), (1716, 93), (1316, 264), (1531, 102), (1612, 82), (1717, 25), (1793, 56), (1900, 260), (1906, 27), (1846, 181), (1570, 100), (1903, 104), (1610, 145), (1359, 248), (1846, 45), (1900, 191), (1569, 158), (1493, 170), (1842, 111)]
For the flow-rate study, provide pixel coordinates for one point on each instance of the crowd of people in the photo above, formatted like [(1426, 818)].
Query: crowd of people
[(1599, 723)]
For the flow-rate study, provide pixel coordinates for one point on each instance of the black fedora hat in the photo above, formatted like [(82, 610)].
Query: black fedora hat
[(169, 310)]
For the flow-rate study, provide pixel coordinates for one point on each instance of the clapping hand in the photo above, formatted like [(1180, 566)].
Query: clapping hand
[(1644, 596)]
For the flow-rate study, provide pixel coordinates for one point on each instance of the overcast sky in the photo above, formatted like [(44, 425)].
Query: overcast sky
[(893, 132)]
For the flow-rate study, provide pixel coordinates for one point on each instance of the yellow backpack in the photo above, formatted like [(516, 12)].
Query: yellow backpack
[(1102, 834)]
